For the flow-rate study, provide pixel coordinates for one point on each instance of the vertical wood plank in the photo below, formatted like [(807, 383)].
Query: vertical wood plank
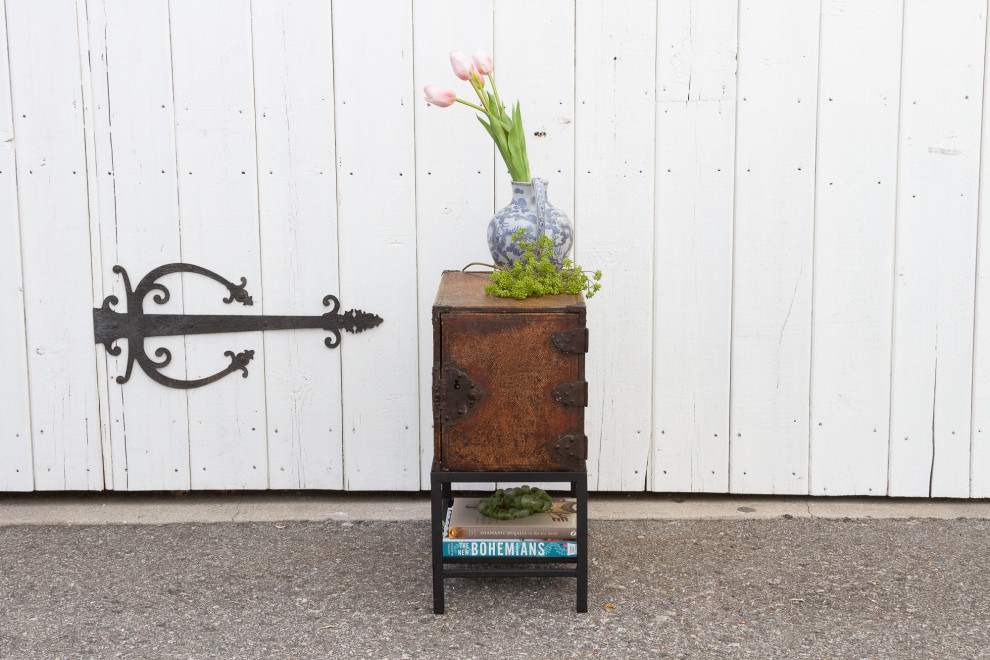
[(455, 169), (695, 150), (854, 246), (376, 213), (935, 262), (218, 211), (980, 427), (139, 229), (773, 234), (92, 77), (293, 55), (535, 56), (613, 151), (46, 94), (534, 49), (16, 470)]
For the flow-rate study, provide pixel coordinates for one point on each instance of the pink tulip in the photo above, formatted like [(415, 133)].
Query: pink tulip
[(482, 62), (461, 64), (439, 96), (477, 77)]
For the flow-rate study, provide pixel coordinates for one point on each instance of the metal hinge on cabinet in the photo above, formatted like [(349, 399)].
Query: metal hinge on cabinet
[(572, 393), (574, 340), (571, 445)]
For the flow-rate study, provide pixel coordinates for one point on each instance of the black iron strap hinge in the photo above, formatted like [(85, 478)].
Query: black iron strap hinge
[(135, 326), (571, 445), (574, 340), (572, 393)]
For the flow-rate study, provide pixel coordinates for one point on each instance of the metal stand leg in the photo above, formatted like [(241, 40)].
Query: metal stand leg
[(436, 533), (581, 486)]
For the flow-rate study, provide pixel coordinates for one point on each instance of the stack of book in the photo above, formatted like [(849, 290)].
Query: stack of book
[(553, 533)]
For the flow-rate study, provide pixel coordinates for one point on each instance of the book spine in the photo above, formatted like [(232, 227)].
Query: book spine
[(511, 533), (495, 548)]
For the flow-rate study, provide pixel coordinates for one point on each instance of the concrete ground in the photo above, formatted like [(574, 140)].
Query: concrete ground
[(331, 576)]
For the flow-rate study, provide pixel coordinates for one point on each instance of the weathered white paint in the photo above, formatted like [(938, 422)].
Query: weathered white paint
[(534, 50), (293, 79), (980, 426), (47, 103), (139, 229), (288, 142), (613, 141), (376, 210), (16, 472), (935, 259), (213, 94), (455, 191), (855, 190), (692, 274), (772, 256)]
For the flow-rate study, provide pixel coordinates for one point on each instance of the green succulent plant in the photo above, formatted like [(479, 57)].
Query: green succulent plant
[(515, 503), (535, 275)]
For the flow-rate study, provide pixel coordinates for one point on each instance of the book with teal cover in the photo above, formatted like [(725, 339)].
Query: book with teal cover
[(505, 547), (559, 523), (508, 548)]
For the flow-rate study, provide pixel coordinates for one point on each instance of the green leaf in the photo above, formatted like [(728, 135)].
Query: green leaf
[(520, 153), (511, 141), (498, 137), (487, 126)]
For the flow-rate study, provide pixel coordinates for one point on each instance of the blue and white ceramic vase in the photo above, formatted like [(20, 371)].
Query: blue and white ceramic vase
[(531, 211)]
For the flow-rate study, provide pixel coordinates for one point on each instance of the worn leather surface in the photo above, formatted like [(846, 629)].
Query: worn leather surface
[(512, 359), (461, 291)]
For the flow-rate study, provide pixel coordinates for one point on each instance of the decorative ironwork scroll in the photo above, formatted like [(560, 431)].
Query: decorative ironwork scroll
[(135, 325)]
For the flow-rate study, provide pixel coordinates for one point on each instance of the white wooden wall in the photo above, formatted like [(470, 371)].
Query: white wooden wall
[(786, 197)]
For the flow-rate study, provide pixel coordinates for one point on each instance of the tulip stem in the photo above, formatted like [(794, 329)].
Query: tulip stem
[(477, 90), (471, 105), (495, 90)]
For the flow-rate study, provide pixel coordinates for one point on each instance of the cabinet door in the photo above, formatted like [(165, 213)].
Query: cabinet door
[(500, 381)]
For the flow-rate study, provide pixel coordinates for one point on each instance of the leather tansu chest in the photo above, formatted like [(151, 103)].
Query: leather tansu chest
[(508, 379)]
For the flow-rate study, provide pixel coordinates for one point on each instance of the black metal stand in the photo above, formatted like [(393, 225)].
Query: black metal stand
[(440, 492)]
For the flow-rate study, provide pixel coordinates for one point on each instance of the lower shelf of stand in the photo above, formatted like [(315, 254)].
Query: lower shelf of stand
[(511, 566), (508, 572), (510, 560)]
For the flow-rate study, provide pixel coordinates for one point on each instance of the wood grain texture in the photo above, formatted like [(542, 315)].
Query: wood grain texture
[(376, 212), (218, 210), (935, 262), (856, 178), (95, 97), (16, 470), (773, 234), (795, 292), (510, 360), (534, 49), (695, 149), (980, 427), (613, 142), (455, 171), (136, 192), (293, 76), (46, 92)]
